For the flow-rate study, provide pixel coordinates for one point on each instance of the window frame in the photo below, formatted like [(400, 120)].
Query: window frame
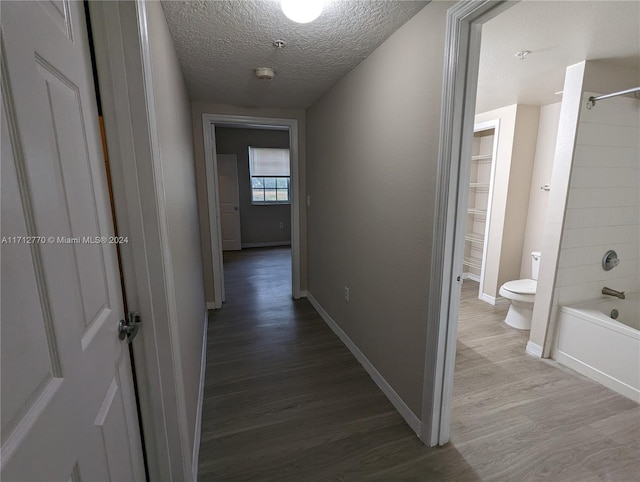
[(264, 187)]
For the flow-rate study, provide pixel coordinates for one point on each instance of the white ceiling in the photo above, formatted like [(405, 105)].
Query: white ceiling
[(558, 34), (220, 43)]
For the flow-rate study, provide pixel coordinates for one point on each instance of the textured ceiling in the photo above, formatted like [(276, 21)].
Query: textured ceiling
[(220, 43), (558, 34)]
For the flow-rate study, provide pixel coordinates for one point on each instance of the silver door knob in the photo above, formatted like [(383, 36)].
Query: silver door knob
[(128, 329)]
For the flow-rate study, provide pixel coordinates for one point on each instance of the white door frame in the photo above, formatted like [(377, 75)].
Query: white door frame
[(483, 126), (124, 72), (462, 57), (209, 122)]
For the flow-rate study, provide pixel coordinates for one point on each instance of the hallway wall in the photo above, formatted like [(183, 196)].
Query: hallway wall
[(372, 164), (176, 151)]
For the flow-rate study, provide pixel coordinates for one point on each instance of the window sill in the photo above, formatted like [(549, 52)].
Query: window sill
[(270, 203)]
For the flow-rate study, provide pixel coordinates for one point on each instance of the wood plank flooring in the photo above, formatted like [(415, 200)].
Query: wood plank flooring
[(285, 400)]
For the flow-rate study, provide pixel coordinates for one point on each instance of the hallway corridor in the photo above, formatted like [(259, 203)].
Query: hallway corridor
[(285, 400)]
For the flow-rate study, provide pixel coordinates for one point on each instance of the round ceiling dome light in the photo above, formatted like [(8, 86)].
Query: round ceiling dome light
[(302, 11)]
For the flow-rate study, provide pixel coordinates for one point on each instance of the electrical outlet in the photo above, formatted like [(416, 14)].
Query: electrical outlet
[(346, 294), (281, 225), (308, 200)]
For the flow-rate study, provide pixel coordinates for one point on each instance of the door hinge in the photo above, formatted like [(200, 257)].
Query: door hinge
[(129, 329)]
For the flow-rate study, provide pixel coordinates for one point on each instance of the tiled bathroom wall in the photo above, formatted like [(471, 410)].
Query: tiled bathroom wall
[(603, 210)]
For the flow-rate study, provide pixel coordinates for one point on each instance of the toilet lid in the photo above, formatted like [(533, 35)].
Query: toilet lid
[(521, 286)]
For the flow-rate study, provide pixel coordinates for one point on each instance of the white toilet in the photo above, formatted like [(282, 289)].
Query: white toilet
[(521, 293)]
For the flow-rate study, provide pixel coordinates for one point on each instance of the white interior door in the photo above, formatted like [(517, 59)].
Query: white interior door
[(68, 409), (229, 202)]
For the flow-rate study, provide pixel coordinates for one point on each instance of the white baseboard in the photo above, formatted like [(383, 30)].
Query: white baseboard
[(304, 294), (471, 276), (211, 305), (266, 245), (534, 349), (394, 398), (198, 429), (497, 301)]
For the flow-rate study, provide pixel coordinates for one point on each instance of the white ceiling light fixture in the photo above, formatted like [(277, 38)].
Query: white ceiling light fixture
[(302, 11)]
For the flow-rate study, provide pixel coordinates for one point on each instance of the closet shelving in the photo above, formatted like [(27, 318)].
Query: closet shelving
[(482, 159)]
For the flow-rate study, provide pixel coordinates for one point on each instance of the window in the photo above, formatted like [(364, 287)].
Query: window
[(270, 176)]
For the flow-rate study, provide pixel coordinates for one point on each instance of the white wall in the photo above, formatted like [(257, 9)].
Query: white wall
[(603, 210), (511, 186), (177, 158), (517, 207), (199, 108), (538, 198), (507, 117), (372, 159), (588, 140)]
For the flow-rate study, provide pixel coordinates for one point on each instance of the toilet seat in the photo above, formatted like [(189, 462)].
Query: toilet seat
[(521, 286), (519, 290)]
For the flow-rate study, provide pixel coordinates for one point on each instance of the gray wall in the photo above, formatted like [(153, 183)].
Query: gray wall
[(200, 108), (372, 160), (177, 157), (259, 223)]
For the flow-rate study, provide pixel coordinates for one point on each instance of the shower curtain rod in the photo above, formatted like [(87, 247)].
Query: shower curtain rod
[(592, 99)]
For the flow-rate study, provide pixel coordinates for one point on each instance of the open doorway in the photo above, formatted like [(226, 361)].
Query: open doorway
[(254, 189), (529, 134), (212, 122), (254, 180)]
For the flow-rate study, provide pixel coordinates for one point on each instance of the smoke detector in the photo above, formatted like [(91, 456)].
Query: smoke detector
[(265, 73)]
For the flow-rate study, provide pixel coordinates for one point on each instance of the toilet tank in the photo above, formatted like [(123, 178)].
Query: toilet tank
[(535, 264)]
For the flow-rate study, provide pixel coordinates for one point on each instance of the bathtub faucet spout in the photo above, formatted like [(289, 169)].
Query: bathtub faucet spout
[(610, 292)]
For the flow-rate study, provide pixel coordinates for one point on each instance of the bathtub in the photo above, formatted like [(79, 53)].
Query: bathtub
[(590, 342)]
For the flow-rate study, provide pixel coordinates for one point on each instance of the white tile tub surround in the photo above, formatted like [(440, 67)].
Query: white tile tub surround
[(603, 208)]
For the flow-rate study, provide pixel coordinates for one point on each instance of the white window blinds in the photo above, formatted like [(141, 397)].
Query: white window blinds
[(268, 162)]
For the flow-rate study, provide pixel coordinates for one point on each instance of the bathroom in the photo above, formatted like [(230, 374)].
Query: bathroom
[(569, 206)]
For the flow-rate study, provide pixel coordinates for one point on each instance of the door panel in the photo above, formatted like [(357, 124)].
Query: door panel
[(68, 412), (229, 202), (27, 344), (66, 129)]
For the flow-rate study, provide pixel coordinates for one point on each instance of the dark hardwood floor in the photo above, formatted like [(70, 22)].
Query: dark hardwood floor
[(285, 400)]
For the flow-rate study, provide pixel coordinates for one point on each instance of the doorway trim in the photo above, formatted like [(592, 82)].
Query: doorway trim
[(125, 76), (482, 126), (460, 80), (209, 122)]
